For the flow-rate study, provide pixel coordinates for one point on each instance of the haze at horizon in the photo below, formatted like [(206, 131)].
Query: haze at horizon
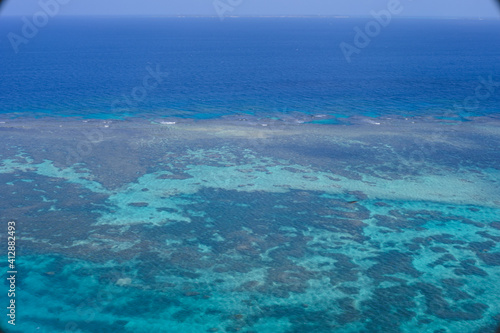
[(423, 8)]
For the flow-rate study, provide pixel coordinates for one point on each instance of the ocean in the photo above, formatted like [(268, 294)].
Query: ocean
[(81, 67), (246, 175)]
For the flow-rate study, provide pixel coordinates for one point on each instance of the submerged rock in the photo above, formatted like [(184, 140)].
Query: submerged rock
[(123, 282)]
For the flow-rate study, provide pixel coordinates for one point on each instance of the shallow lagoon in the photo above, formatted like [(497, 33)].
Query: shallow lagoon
[(254, 225)]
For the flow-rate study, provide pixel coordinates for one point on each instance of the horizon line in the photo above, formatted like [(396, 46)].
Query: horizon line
[(261, 16)]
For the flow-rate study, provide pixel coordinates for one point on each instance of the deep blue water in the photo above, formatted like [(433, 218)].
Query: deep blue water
[(80, 67)]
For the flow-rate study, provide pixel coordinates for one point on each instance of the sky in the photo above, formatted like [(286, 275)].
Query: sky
[(418, 8)]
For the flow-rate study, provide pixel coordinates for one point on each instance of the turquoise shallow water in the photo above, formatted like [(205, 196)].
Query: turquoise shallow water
[(233, 226)]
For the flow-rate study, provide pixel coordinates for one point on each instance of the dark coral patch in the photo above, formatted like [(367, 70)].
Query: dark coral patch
[(491, 259), (467, 268), (350, 313), (183, 314), (295, 278), (487, 235), (446, 239), (388, 307), (138, 204), (481, 246), (180, 175), (392, 262), (349, 290), (453, 291), (438, 249), (442, 260), (453, 282), (438, 306), (344, 270)]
